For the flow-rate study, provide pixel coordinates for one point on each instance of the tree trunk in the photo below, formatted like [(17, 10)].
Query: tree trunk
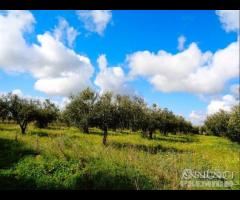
[(105, 136), (134, 129), (85, 129), (23, 129), (151, 134), (144, 133), (16, 136), (165, 133)]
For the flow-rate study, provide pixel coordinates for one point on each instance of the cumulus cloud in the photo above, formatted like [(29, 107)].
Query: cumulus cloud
[(111, 78), (181, 42), (65, 33), (191, 70), (226, 103), (197, 117), (229, 19), (95, 20), (15, 53), (62, 86), (58, 69)]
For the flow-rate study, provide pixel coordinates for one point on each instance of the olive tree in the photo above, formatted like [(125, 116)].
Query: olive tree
[(79, 111), (47, 113), (23, 111), (104, 114), (138, 109), (123, 111), (153, 117)]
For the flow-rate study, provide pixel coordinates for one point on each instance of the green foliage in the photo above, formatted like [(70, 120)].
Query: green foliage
[(124, 112), (106, 111), (79, 112), (23, 111), (224, 123), (217, 123), (104, 114), (47, 113), (234, 124), (89, 109), (138, 108), (4, 112)]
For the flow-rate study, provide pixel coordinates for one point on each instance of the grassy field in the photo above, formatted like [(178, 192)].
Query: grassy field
[(65, 158)]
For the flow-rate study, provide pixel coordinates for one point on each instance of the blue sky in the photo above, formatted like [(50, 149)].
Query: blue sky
[(115, 36)]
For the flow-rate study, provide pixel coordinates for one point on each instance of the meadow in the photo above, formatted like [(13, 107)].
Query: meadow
[(64, 158)]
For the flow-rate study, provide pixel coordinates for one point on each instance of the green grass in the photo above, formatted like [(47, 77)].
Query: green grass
[(65, 158)]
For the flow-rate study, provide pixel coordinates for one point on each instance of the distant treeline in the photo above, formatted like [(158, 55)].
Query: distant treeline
[(117, 112)]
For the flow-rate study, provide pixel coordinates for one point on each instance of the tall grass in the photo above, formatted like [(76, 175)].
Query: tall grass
[(65, 158)]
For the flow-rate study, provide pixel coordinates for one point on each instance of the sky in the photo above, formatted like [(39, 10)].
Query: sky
[(186, 61)]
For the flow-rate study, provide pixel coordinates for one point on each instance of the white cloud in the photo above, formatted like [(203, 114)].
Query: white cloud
[(95, 20), (14, 51), (63, 86), (229, 19), (18, 92), (181, 42), (188, 71), (226, 103), (64, 32), (60, 102), (21, 94), (58, 69), (197, 117), (235, 90), (111, 78), (64, 102)]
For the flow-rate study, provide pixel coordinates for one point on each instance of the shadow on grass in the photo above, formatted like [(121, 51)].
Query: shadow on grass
[(149, 149), (57, 127), (94, 132), (110, 132), (11, 152), (109, 180), (42, 133), (177, 139), (12, 182), (93, 179)]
